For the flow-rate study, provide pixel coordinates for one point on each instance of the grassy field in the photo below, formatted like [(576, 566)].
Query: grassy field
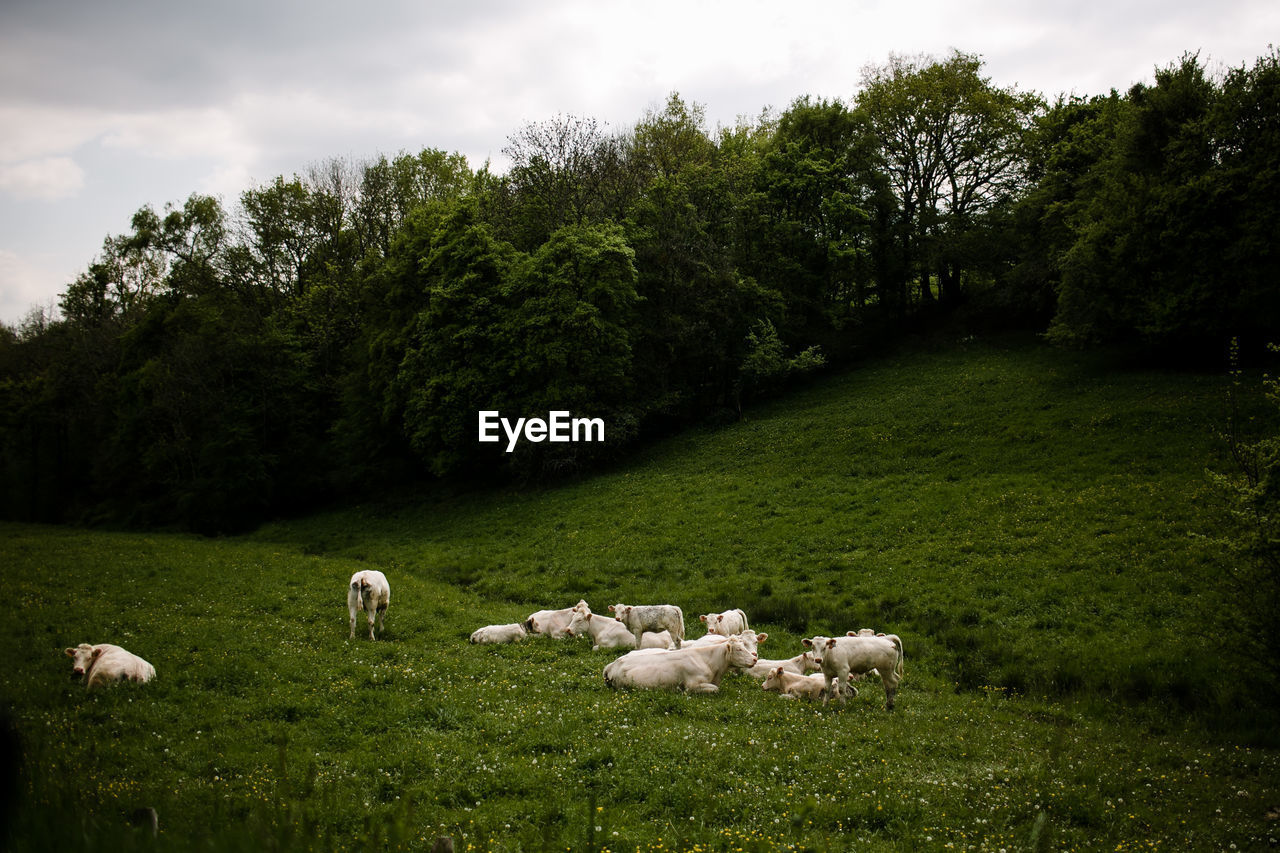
[(1036, 525)]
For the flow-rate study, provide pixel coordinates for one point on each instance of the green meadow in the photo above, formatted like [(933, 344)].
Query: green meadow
[(1037, 525)]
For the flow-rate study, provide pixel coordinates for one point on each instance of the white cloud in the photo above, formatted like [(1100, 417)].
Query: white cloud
[(27, 284), (47, 179)]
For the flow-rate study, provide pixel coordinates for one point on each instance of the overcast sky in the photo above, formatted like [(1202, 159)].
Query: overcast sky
[(109, 106)]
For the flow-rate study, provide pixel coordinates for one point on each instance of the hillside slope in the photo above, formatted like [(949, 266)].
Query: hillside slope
[(1026, 520), (1005, 504)]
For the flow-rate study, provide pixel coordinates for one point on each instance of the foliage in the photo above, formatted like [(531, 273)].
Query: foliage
[(336, 332), (1162, 238), (1251, 492), (1021, 516)]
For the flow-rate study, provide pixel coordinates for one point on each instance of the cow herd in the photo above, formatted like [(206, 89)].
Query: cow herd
[(658, 656)]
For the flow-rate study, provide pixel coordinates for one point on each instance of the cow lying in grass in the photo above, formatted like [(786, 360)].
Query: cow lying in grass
[(794, 685), (511, 633), (843, 658), (800, 665), (694, 669), (553, 623), (105, 663), (370, 592)]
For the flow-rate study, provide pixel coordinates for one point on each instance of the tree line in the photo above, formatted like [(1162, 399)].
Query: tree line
[(337, 332)]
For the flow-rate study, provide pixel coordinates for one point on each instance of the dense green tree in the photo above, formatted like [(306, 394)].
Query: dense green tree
[(951, 145), (391, 189), (810, 218), (1168, 236), (564, 171)]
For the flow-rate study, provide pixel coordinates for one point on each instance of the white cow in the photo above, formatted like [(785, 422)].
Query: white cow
[(607, 633), (726, 623), (842, 657), (511, 633), (871, 632), (370, 592), (553, 623), (651, 617), (800, 664), (105, 663), (694, 669), (795, 685), (749, 638)]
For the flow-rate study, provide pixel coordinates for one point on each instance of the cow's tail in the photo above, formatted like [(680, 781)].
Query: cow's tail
[(897, 644), (745, 625)]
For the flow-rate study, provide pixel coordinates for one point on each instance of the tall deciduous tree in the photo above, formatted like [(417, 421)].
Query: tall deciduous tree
[(951, 144)]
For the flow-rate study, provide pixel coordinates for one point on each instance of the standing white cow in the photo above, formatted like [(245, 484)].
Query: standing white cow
[(607, 633), (694, 669), (553, 623), (370, 592), (844, 657), (651, 617), (726, 623), (105, 663)]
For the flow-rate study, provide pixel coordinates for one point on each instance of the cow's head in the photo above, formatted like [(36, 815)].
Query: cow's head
[(620, 611), (774, 681), (816, 646), (82, 657), (740, 654), (579, 624)]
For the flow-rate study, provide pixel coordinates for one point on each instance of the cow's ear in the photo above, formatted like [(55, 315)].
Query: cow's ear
[(702, 618), (831, 642), (807, 642), (97, 653), (589, 615), (71, 653), (611, 610), (760, 638), (778, 671)]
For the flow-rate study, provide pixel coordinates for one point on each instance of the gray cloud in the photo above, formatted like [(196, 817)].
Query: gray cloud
[(146, 101)]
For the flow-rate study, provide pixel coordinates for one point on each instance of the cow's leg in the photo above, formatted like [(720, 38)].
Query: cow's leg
[(382, 615), (370, 616), (704, 687), (890, 689), (352, 609)]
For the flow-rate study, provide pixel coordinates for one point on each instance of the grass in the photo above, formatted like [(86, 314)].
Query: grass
[(1037, 527)]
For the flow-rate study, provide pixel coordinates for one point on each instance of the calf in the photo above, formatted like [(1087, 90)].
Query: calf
[(651, 617), (726, 623), (105, 663), (553, 623), (370, 592), (794, 685), (606, 633), (512, 633), (800, 664), (695, 669), (844, 657)]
